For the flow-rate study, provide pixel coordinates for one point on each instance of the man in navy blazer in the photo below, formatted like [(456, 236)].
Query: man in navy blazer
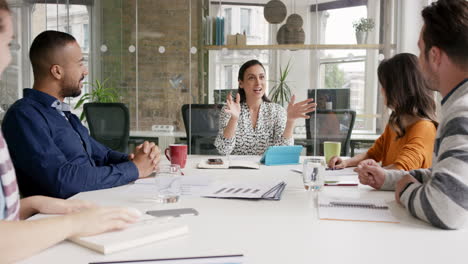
[(52, 151)]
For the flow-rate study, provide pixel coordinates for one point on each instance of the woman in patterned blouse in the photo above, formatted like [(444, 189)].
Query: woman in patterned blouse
[(252, 123)]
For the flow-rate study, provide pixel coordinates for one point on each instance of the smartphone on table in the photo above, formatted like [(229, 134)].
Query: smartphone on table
[(215, 161)]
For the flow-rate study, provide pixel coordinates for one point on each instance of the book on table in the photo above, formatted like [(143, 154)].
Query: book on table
[(360, 210), (147, 230)]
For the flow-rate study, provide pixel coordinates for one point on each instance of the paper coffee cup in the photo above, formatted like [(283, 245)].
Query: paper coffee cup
[(330, 149)]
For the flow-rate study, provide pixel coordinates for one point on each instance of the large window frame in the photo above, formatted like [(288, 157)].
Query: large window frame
[(371, 99)]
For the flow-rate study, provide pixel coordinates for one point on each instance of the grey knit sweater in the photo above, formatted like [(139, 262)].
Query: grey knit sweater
[(441, 196)]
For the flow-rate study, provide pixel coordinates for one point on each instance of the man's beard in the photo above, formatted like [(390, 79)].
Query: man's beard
[(70, 89), (432, 81)]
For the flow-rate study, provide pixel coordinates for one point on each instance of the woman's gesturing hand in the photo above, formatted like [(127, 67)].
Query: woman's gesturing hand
[(299, 110), (233, 108)]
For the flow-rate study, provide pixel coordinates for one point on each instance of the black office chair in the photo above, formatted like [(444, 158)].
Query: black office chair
[(201, 124), (332, 125), (109, 124)]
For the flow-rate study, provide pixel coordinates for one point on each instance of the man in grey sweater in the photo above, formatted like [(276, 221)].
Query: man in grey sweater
[(438, 195)]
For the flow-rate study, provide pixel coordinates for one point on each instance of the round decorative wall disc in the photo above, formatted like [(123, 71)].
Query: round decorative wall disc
[(275, 12), (294, 21)]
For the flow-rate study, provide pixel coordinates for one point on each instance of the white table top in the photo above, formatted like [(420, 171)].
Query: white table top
[(286, 231)]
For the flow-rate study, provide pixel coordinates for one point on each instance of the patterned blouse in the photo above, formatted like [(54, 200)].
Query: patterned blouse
[(9, 193), (269, 131)]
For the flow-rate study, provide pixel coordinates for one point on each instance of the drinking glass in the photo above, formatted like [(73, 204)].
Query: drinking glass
[(168, 178), (313, 173)]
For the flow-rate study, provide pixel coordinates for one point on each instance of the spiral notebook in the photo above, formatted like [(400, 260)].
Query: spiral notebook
[(360, 210)]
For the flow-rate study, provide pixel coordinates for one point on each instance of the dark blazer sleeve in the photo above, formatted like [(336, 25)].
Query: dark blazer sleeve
[(42, 163)]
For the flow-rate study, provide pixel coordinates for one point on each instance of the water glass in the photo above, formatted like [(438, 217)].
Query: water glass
[(313, 173), (168, 181)]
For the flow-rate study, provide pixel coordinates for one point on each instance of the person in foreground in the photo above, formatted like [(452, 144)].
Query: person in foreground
[(251, 123), (408, 140), (438, 195), (20, 239), (53, 153)]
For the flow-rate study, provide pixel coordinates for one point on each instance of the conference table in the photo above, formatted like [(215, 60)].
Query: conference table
[(270, 232)]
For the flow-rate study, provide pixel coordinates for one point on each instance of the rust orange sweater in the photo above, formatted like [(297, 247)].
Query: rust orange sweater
[(412, 151)]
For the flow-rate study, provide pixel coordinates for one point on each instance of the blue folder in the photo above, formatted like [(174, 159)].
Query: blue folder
[(281, 155)]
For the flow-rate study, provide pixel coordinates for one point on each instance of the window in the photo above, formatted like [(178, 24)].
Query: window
[(228, 77), (225, 64), (227, 21), (245, 16), (86, 37), (347, 69), (73, 19)]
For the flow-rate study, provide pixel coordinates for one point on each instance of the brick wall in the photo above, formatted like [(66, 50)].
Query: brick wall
[(160, 23)]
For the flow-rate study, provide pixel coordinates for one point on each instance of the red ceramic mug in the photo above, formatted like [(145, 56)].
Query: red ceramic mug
[(177, 154)]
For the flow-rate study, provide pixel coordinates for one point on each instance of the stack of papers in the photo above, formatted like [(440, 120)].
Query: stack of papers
[(268, 191)]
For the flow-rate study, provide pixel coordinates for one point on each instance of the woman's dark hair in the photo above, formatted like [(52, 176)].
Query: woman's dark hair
[(242, 70), (406, 90), (4, 7)]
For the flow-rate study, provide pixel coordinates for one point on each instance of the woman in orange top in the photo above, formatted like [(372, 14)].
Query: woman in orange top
[(408, 140)]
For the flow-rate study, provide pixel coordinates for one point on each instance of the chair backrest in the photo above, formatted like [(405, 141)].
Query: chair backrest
[(109, 124), (332, 125), (201, 124)]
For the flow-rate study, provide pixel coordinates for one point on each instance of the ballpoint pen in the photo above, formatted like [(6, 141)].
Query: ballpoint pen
[(338, 183)]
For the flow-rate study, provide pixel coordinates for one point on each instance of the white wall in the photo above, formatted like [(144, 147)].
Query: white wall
[(409, 25)]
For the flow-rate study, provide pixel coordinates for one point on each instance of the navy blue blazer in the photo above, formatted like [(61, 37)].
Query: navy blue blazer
[(57, 157)]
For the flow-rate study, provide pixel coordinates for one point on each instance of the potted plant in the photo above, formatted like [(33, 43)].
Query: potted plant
[(362, 26), (98, 94), (281, 93)]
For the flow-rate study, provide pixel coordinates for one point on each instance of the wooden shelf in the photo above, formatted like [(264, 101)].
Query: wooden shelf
[(300, 47)]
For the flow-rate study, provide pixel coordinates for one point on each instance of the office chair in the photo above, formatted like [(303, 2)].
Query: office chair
[(201, 124), (109, 124), (332, 125)]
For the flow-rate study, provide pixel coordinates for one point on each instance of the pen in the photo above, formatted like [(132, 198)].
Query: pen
[(337, 183)]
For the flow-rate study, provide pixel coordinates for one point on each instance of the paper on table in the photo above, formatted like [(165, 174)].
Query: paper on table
[(194, 185), (341, 172), (249, 190)]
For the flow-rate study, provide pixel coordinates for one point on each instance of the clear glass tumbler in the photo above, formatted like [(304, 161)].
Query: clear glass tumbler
[(168, 178), (313, 173)]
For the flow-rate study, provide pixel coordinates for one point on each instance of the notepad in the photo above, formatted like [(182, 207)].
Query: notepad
[(229, 164), (134, 236), (361, 210)]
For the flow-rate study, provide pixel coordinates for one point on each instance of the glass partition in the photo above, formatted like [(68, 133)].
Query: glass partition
[(160, 55)]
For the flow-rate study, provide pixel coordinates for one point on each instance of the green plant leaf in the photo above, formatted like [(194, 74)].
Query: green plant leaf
[(99, 93), (281, 92)]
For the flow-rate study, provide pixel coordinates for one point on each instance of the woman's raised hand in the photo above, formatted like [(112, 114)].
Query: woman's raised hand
[(299, 110), (233, 107)]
